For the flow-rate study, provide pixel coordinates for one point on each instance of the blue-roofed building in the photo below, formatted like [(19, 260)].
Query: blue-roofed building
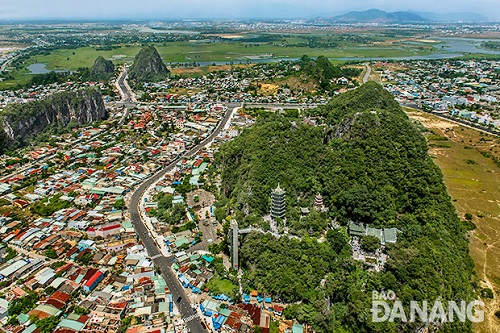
[(85, 244), (297, 328), (218, 321), (208, 259)]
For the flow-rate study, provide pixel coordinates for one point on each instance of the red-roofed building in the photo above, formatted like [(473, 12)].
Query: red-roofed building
[(20, 203), (63, 330), (55, 303), (93, 282), (278, 309), (60, 296), (105, 231)]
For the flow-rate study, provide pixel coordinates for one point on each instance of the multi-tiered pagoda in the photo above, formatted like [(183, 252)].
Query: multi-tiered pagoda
[(278, 203), (318, 201)]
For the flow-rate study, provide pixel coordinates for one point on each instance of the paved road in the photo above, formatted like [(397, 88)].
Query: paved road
[(8, 62), (165, 263), (127, 98), (368, 72), (122, 85), (282, 105)]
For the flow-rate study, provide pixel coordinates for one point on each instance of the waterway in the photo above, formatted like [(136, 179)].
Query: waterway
[(448, 48), (40, 68)]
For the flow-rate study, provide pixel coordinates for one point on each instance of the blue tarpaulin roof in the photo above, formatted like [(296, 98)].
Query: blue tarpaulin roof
[(208, 258), (218, 321), (222, 297)]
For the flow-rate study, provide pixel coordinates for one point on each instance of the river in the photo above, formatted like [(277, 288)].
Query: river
[(447, 49), (40, 68)]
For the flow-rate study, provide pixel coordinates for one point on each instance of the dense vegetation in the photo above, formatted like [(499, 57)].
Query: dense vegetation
[(46, 325), (370, 164), (322, 71), (167, 212), (148, 66), (49, 205), (102, 70), (23, 304)]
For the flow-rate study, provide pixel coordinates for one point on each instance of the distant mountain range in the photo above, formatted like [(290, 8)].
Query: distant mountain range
[(380, 16), (454, 17), (375, 16)]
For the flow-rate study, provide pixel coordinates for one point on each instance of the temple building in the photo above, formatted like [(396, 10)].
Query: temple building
[(278, 203)]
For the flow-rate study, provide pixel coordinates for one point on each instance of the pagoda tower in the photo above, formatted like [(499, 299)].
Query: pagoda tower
[(318, 201), (278, 203)]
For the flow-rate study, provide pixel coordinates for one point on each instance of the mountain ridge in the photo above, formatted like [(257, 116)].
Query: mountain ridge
[(453, 17), (376, 15), (381, 16)]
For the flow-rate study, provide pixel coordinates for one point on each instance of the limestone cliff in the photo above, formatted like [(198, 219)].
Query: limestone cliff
[(22, 122), (148, 66)]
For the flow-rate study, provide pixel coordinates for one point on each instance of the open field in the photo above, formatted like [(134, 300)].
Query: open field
[(218, 285), (480, 56), (216, 52), (19, 77), (219, 52), (210, 52), (473, 182)]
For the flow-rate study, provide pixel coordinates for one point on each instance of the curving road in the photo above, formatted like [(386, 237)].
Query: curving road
[(124, 88), (127, 97), (282, 105), (165, 263)]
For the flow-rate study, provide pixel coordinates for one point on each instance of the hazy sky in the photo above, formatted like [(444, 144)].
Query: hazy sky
[(169, 9)]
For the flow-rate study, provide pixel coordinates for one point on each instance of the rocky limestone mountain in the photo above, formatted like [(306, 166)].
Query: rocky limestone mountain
[(148, 66), (22, 122), (102, 70)]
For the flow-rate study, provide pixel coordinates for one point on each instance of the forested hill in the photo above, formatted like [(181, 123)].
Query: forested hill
[(322, 71), (148, 66), (371, 165), (102, 69)]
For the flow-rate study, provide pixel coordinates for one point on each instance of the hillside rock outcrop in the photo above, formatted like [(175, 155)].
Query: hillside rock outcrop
[(102, 70), (22, 122), (148, 66)]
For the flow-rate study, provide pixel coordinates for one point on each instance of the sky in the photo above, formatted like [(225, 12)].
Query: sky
[(226, 9)]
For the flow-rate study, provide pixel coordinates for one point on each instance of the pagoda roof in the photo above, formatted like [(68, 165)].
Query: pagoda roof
[(278, 190)]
